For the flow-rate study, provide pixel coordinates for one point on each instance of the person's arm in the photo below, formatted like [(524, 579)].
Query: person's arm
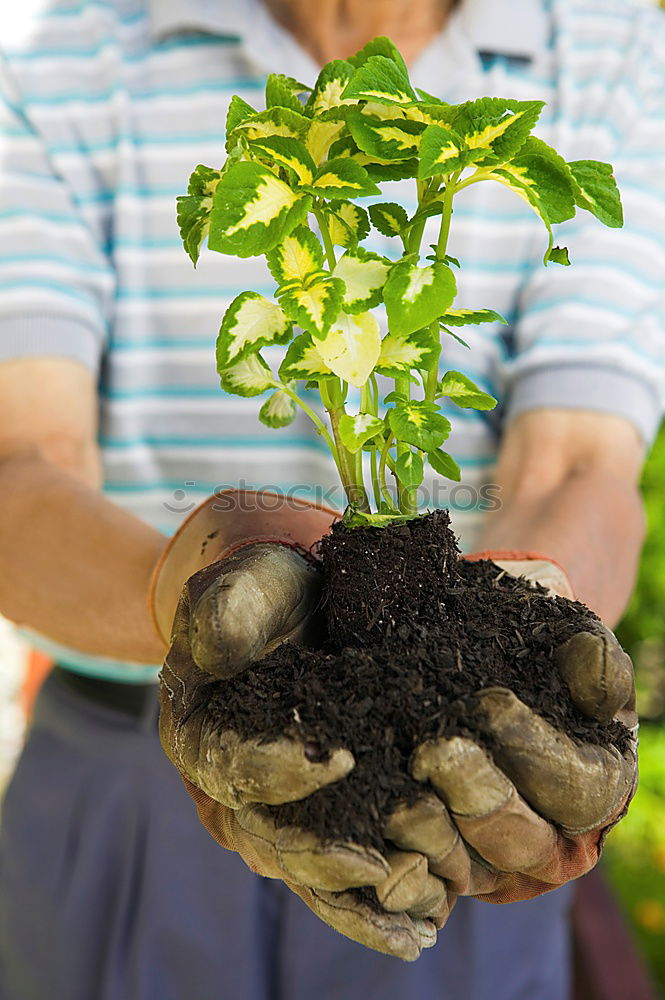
[(75, 567), (569, 489)]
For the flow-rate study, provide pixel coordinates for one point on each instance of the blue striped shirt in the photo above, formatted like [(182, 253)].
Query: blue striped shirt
[(106, 105)]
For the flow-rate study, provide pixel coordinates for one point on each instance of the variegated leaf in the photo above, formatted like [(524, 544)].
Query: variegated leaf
[(288, 153), (329, 87), (464, 392), (471, 317), (313, 304), (441, 152), (379, 170), (402, 354), (494, 128), (415, 296), (250, 322), (380, 46), (347, 223), (385, 139), (279, 410), (418, 423), (351, 348), (253, 210), (364, 275), (321, 135), (248, 377), (356, 429), (382, 80), (285, 92), (303, 361), (195, 207), (341, 178), (296, 258), (274, 121), (389, 218)]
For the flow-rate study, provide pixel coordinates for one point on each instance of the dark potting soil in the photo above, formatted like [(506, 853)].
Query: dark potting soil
[(413, 633)]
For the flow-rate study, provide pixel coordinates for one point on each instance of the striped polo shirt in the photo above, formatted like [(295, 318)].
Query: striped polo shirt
[(106, 106)]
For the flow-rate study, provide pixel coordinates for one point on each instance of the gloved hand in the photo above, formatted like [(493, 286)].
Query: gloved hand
[(230, 614), (534, 814)]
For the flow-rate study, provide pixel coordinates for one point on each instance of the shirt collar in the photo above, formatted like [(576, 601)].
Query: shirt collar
[(503, 27)]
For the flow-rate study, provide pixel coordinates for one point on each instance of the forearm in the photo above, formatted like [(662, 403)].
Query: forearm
[(75, 566), (592, 525)]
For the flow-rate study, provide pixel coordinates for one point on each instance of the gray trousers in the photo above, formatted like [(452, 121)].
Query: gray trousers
[(111, 890)]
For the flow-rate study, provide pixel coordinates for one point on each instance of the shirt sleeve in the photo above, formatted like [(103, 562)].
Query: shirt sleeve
[(56, 283), (592, 335)]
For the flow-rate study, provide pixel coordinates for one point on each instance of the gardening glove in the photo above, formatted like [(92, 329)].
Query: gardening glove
[(230, 614), (533, 814)]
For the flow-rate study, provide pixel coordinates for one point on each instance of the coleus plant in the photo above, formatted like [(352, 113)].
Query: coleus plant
[(290, 188)]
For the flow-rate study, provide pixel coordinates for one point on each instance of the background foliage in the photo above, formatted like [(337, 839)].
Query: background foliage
[(635, 853)]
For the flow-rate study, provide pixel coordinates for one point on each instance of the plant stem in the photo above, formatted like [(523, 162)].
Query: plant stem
[(325, 235), (350, 469), (432, 378), (385, 492), (407, 496), (446, 217)]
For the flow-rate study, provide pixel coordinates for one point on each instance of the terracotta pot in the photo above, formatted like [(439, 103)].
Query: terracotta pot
[(220, 525)]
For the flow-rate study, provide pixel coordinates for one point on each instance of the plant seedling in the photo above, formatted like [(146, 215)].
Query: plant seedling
[(291, 189)]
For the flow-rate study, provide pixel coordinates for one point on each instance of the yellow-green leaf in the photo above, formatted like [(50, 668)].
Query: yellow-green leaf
[(471, 317), (329, 87), (464, 392), (402, 354), (296, 258), (279, 410), (364, 275), (356, 429), (288, 153), (314, 304), (347, 223), (342, 178), (352, 346), (248, 377), (415, 296), (250, 322), (303, 361), (195, 207), (382, 80)]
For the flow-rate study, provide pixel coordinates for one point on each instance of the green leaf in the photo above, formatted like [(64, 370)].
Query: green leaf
[(418, 423), (389, 218), (296, 258), (347, 223), (250, 322), (415, 296), (289, 153), (559, 255), (342, 178), (596, 191), (355, 429), (253, 210), (441, 152), (380, 46), (194, 209), (378, 169), (314, 303), (329, 87), (364, 275), (471, 317), (385, 139), (382, 80), (444, 464), (282, 92), (303, 361), (495, 129), (351, 348), (239, 111), (409, 469), (248, 377), (403, 353), (279, 410), (462, 391), (459, 340)]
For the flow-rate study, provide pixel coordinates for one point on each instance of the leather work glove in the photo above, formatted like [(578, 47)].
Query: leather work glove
[(534, 814), (229, 615)]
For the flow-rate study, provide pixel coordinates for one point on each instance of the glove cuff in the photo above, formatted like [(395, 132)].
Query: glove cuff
[(222, 524), (532, 565)]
